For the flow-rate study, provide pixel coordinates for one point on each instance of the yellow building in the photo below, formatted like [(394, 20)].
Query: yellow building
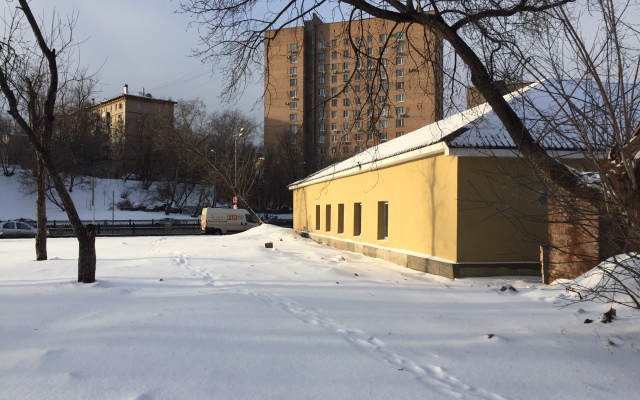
[(335, 89), (452, 198), (123, 113), (134, 121)]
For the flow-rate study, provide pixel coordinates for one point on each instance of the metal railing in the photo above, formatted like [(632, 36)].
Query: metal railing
[(130, 227)]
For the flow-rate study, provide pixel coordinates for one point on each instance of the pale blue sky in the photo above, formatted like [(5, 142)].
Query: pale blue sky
[(143, 43)]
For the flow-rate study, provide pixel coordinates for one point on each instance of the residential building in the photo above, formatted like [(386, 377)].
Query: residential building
[(123, 113), (134, 122), (338, 88)]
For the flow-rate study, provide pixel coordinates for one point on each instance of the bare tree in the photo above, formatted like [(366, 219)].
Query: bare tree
[(475, 30), (6, 133), (25, 67)]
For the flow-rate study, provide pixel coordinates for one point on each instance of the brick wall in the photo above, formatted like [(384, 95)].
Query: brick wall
[(579, 238)]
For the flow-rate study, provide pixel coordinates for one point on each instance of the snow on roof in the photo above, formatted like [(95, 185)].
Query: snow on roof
[(541, 105)]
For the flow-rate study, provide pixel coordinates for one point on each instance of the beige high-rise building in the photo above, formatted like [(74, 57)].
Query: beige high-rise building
[(335, 89)]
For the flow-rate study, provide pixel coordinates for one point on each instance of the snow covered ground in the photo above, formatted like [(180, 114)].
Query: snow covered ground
[(223, 317)]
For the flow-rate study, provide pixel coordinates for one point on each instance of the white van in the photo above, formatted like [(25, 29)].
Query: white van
[(220, 221)]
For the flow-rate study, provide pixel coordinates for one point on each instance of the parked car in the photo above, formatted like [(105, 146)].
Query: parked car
[(17, 229), (283, 222), (165, 221)]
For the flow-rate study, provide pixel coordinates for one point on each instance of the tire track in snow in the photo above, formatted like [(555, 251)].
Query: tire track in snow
[(433, 377)]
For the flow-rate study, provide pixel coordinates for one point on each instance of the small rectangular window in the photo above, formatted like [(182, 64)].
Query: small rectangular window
[(357, 218), (327, 222), (318, 217), (340, 218), (383, 220)]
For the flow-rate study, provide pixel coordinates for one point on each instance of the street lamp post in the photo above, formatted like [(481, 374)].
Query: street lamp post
[(235, 160)]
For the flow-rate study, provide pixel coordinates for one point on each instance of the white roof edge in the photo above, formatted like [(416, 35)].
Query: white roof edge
[(423, 152)]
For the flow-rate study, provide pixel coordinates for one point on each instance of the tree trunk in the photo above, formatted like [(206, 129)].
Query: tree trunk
[(87, 255), (41, 211)]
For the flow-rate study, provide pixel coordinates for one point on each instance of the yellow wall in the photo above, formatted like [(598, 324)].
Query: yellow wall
[(422, 206), (501, 211)]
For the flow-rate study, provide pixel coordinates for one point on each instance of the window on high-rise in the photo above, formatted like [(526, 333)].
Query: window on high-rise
[(293, 105), (293, 82), (399, 85), (399, 73), (383, 37), (334, 55), (345, 53), (399, 98), (398, 134), (399, 123), (293, 47), (399, 60), (293, 117)]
